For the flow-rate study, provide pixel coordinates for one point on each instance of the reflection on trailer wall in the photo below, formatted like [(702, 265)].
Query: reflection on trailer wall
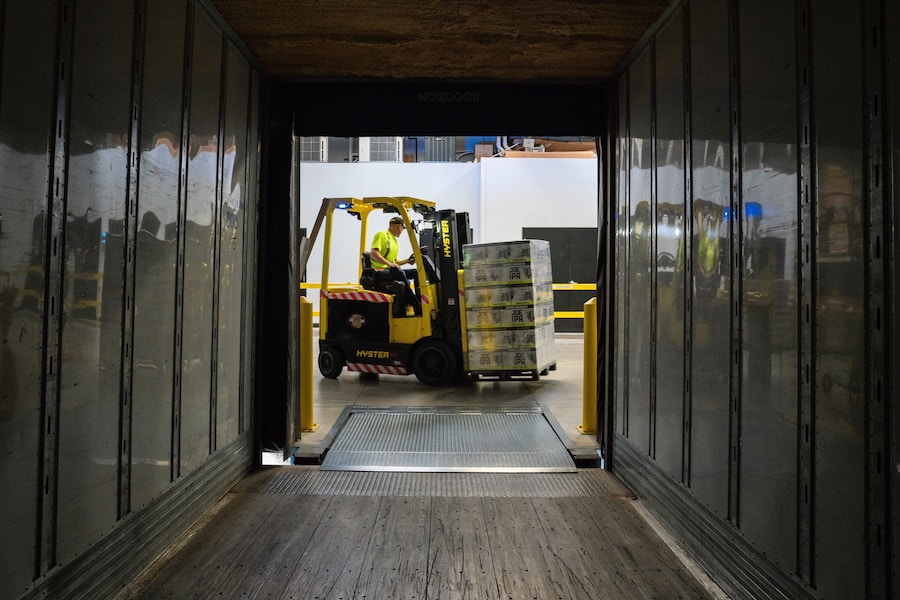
[(707, 227), (27, 100), (91, 336), (124, 296), (752, 395), (157, 244)]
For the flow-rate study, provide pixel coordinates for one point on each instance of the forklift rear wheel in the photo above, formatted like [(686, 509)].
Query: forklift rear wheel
[(434, 363), (331, 363)]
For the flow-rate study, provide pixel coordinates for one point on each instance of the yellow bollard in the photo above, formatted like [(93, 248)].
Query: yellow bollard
[(306, 366), (589, 397)]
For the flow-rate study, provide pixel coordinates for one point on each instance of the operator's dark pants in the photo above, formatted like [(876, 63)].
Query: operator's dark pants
[(394, 281)]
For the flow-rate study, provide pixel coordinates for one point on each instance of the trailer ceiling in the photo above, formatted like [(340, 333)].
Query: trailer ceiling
[(523, 40)]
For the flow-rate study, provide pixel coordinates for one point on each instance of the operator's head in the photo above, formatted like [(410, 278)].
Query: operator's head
[(396, 225)]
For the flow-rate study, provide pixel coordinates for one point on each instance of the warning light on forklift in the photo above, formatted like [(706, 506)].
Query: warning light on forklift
[(343, 205)]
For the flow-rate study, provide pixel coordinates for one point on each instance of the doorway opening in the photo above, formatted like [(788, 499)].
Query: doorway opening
[(505, 215)]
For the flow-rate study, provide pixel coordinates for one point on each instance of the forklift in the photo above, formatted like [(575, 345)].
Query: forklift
[(370, 326)]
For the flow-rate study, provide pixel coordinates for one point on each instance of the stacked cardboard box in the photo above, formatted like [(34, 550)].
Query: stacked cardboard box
[(509, 307)]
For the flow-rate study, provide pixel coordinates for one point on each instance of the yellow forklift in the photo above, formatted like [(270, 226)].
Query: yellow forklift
[(372, 326)]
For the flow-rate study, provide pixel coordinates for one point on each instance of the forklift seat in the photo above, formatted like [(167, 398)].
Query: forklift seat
[(392, 281), (368, 276)]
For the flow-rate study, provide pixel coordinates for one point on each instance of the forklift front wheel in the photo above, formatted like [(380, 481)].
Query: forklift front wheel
[(331, 363), (434, 363)]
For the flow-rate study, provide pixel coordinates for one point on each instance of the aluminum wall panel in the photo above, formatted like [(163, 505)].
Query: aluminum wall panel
[(94, 268), (621, 250), (92, 211), (878, 230), (231, 267), (156, 250), (251, 198), (768, 306), (640, 259), (893, 76), (25, 109), (790, 330), (670, 259), (197, 399), (839, 563), (710, 256)]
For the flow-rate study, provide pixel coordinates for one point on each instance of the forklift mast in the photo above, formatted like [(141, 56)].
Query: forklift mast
[(451, 231)]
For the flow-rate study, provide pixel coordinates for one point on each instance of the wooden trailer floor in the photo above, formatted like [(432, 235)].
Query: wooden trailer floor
[(302, 533)]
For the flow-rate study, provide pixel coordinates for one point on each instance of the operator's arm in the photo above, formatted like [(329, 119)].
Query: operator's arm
[(376, 255)]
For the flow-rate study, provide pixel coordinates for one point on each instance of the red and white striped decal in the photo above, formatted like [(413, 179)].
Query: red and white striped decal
[(365, 296), (381, 369)]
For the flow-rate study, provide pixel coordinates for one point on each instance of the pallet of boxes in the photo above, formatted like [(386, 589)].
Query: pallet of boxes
[(509, 309)]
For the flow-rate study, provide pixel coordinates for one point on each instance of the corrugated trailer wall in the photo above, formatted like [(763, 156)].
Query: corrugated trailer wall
[(756, 291), (128, 167)]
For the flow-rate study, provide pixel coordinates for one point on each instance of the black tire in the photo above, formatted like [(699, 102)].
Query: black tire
[(331, 362), (434, 363)]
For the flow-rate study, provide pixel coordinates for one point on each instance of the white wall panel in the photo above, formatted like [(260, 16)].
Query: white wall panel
[(536, 192)]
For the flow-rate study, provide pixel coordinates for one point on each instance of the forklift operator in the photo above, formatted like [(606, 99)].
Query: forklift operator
[(383, 255), (386, 245)]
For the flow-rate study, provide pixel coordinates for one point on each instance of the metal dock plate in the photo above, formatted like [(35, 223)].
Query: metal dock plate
[(448, 440)]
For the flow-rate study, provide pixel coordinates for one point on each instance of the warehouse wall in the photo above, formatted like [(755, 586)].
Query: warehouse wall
[(755, 291), (128, 136)]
